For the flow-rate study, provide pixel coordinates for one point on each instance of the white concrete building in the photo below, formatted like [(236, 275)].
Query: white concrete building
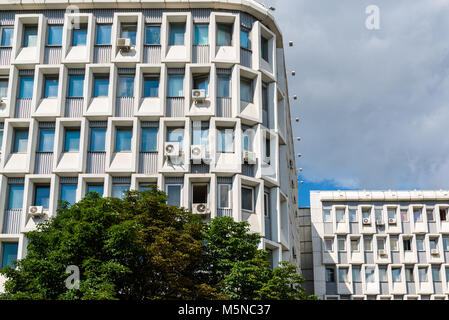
[(380, 244), (188, 95)]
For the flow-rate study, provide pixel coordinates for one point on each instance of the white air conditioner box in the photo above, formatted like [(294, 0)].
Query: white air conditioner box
[(124, 44), (392, 220), (366, 221), (200, 208), (171, 149), (36, 211), (382, 253), (198, 94), (434, 252), (198, 152)]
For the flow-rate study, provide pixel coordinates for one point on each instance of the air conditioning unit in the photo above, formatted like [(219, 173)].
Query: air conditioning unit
[(366, 221), (382, 253), (198, 95), (124, 44), (380, 222), (200, 208), (392, 220), (2, 100), (171, 149), (36, 211), (249, 157), (434, 252), (198, 152)]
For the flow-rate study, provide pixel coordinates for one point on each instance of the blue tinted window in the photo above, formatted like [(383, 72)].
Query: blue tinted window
[(20, 140), (95, 187), (123, 139), (3, 87), (68, 193), (42, 196), (51, 88), (26, 87), (201, 83), (9, 253), (118, 190), (246, 90), (176, 135), (149, 139), (79, 36), (104, 34), (97, 139), (76, 86), (15, 200), (201, 34), (153, 35), (175, 86), (72, 140), (54, 35), (1, 138), (46, 140), (129, 31), (150, 87), (224, 34), (245, 42), (101, 86), (126, 86), (177, 31), (174, 195), (7, 34), (223, 83), (30, 36)]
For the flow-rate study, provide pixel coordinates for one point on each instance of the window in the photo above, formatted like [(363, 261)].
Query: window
[(407, 244), (391, 212), (329, 244), (446, 243), (72, 140), (1, 138), (369, 275), (340, 214), (200, 135), (199, 193), (54, 35), (327, 215), (126, 86), (436, 276), (174, 195), (330, 275), (176, 135), (175, 86), (6, 34), (245, 41), (433, 242), (201, 34), (417, 215), (20, 140), (404, 215), (396, 273), (150, 87), (342, 275), (46, 140), (443, 214), (95, 188), (123, 139), (177, 31), (97, 139), (153, 35), (129, 31), (430, 217), (119, 190), (9, 253), (367, 243), (394, 244), (68, 193), (42, 196), (246, 90), (101, 85), (356, 274), (145, 186), (380, 244), (223, 83), (266, 205), (51, 87), (30, 36), (225, 143), (224, 34), (355, 245), (76, 86), (224, 196), (79, 36), (366, 213), (268, 154), (104, 34), (201, 82), (3, 87), (264, 43), (447, 274), (378, 214), (247, 199), (341, 244), (15, 200), (422, 273), (383, 274), (420, 244), (149, 139), (409, 274), (352, 215), (26, 87)]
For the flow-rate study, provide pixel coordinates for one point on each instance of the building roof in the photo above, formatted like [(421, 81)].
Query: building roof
[(379, 195)]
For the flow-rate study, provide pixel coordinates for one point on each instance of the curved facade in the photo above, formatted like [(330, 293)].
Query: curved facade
[(191, 96)]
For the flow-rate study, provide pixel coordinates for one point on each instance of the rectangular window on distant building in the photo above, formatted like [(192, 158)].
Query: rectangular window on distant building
[(29, 35), (101, 85), (42, 196), (104, 34), (79, 35), (149, 140), (6, 34), (201, 36), (72, 140), (20, 140), (97, 140), (76, 86), (129, 31), (68, 192), (26, 87), (153, 35), (177, 32), (224, 34), (9, 253), (51, 86), (123, 139), (150, 86), (54, 35), (46, 140)]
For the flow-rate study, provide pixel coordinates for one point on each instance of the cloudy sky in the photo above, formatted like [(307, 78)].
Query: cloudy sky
[(373, 104)]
